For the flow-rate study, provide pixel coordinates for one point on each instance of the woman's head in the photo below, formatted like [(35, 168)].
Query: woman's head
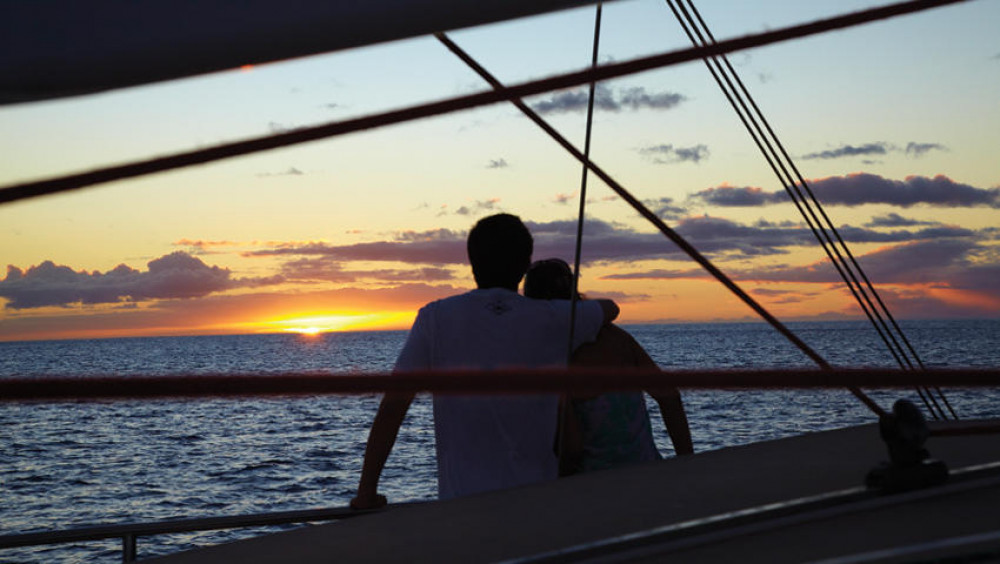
[(549, 279)]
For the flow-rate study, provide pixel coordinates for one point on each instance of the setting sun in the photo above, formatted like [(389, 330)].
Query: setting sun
[(316, 324), (308, 331)]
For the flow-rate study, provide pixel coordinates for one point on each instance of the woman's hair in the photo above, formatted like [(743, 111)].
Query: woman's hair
[(549, 279)]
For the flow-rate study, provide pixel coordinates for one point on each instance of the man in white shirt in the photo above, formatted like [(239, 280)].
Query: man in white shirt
[(486, 442)]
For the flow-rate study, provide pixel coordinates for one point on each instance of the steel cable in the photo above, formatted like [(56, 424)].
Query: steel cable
[(761, 140), (578, 250), (894, 345), (801, 201)]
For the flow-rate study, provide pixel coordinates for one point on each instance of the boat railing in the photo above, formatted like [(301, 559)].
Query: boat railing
[(130, 532)]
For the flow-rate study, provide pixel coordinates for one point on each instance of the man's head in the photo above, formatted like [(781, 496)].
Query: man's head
[(549, 279), (499, 249)]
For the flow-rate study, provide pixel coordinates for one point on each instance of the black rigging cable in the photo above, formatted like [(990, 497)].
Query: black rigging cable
[(564, 413), (578, 251), (802, 200), (793, 189), (871, 288), (761, 140), (795, 192), (655, 220), (843, 244)]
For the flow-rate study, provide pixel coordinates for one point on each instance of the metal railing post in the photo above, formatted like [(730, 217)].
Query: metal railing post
[(129, 547)]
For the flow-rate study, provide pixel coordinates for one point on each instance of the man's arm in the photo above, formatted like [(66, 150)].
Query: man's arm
[(382, 436), (674, 417)]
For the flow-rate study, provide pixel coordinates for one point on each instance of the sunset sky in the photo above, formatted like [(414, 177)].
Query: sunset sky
[(895, 124)]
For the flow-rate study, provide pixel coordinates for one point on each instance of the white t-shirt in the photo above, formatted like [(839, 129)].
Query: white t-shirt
[(489, 442)]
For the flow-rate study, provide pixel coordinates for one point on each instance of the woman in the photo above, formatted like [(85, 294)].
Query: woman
[(610, 429)]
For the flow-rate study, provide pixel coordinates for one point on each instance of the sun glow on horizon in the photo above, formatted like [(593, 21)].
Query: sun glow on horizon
[(327, 323), (305, 331)]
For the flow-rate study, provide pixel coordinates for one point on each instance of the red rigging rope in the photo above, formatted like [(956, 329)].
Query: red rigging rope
[(656, 221), (520, 381), (801, 201), (576, 380), (81, 180)]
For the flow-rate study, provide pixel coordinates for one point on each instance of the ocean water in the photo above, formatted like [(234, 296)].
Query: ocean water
[(73, 464)]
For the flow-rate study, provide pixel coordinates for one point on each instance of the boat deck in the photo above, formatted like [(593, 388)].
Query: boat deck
[(710, 507)]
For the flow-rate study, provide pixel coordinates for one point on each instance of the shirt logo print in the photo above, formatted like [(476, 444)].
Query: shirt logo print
[(498, 307)]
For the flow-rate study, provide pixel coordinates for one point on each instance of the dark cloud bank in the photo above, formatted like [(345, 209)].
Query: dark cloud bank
[(174, 276), (604, 242), (915, 253), (862, 188)]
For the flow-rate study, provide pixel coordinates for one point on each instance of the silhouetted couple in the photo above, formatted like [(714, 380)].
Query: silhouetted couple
[(486, 442)]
